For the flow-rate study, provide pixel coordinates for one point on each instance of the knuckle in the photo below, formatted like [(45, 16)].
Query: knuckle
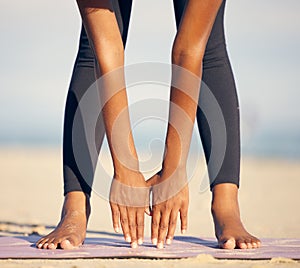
[(132, 225), (140, 224), (115, 213), (183, 216), (173, 222), (163, 227), (154, 224), (124, 220)]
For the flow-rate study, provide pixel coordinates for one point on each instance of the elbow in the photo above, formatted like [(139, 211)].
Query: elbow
[(188, 52)]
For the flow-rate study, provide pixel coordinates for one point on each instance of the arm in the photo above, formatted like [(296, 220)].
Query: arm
[(101, 25), (187, 56)]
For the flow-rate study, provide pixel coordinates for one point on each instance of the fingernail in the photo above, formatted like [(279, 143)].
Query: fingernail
[(183, 231), (140, 241), (40, 245), (134, 245), (154, 241), (117, 230), (160, 245), (128, 239), (168, 241)]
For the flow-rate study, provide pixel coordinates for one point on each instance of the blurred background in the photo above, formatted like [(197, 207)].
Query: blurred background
[(39, 41)]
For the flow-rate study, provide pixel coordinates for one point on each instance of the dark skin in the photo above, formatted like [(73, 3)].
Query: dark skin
[(188, 51)]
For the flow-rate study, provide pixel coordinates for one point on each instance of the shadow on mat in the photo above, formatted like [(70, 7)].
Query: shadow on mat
[(197, 241), (111, 239)]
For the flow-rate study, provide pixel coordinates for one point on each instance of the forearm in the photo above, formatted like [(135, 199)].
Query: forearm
[(187, 56), (182, 112), (104, 36)]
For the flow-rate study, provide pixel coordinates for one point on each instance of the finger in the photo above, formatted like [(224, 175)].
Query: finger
[(115, 214), (124, 223), (183, 218), (140, 226), (172, 226), (131, 212), (155, 225), (163, 228)]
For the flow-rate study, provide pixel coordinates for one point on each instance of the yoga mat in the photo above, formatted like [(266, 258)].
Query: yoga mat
[(114, 246)]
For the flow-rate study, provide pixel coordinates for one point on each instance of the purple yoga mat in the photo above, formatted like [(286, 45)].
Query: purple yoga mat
[(115, 247)]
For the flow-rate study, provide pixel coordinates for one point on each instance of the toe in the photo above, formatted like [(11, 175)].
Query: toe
[(51, 246), (255, 242), (227, 243), (249, 245), (241, 244), (41, 242), (39, 245), (66, 244)]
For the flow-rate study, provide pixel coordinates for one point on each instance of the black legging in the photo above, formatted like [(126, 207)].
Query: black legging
[(217, 75)]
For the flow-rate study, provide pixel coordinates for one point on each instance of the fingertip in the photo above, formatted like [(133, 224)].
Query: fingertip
[(128, 238), (160, 245), (154, 241), (134, 245), (183, 231), (168, 241)]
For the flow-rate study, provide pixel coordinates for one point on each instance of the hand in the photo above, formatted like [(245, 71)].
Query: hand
[(170, 196), (129, 199)]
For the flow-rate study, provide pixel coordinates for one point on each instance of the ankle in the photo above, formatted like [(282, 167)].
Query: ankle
[(224, 198), (77, 202)]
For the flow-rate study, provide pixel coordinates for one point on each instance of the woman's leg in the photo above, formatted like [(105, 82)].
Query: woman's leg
[(70, 232), (224, 179)]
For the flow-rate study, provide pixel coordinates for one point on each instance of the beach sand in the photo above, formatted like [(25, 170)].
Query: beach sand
[(31, 197)]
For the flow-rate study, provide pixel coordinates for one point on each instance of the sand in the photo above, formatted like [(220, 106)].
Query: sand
[(31, 199)]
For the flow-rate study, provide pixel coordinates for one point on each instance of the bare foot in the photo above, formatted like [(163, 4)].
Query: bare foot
[(71, 230), (229, 229)]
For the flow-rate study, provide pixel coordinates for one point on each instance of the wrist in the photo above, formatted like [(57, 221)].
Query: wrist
[(173, 162), (125, 163)]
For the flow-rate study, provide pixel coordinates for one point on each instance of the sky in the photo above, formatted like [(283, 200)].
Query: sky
[(39, 41)]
